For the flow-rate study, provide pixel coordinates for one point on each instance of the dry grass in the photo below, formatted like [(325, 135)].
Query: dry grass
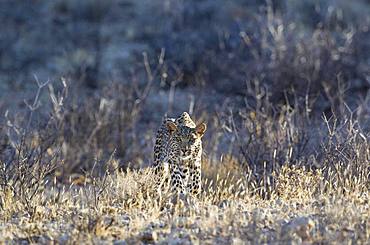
[(270, 185), (283, 87), (303, 209)]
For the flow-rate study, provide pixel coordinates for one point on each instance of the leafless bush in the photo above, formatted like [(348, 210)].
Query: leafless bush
[(284, 94), (290, 58), (268, 136), (96, 126), (345, 155), (296, 64), (30, 156), (264, 135), (84, 133)]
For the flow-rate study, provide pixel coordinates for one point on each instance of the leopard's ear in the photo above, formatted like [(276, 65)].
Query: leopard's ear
[(185, 115), (171, 127), (201, 129)]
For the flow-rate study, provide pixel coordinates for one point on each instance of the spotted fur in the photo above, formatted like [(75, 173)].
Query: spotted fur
[(177, 155)]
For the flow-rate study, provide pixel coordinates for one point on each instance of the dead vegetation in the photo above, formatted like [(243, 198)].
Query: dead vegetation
[(281, 179), (284, 92)]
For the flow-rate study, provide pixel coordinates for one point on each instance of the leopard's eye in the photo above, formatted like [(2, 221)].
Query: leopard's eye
[(192, 140), (193, 137)]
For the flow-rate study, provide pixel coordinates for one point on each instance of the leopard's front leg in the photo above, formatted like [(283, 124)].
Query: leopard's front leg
[(195, 186), (177, 180), (162, 174)]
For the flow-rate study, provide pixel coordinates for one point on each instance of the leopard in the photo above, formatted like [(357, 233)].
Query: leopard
[(177, 155)]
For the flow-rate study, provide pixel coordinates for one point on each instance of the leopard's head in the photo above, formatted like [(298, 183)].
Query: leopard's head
[(185, 141)]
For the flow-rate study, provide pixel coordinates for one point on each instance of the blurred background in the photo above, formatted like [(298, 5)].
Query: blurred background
[(107, 72)]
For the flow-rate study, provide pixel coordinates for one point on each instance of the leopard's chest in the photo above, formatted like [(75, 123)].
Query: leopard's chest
[(186, 167)]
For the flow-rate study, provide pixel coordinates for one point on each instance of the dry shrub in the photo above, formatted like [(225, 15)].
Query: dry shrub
[(290, 63), (226, 166), (264, 136), (224, 180), (78, 136), (268, 42), (268, 136), (96, 127), (293, 182), (27, 160), (141, 195), (83, 129), (345, 156), (130, 190), (263, 157)]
